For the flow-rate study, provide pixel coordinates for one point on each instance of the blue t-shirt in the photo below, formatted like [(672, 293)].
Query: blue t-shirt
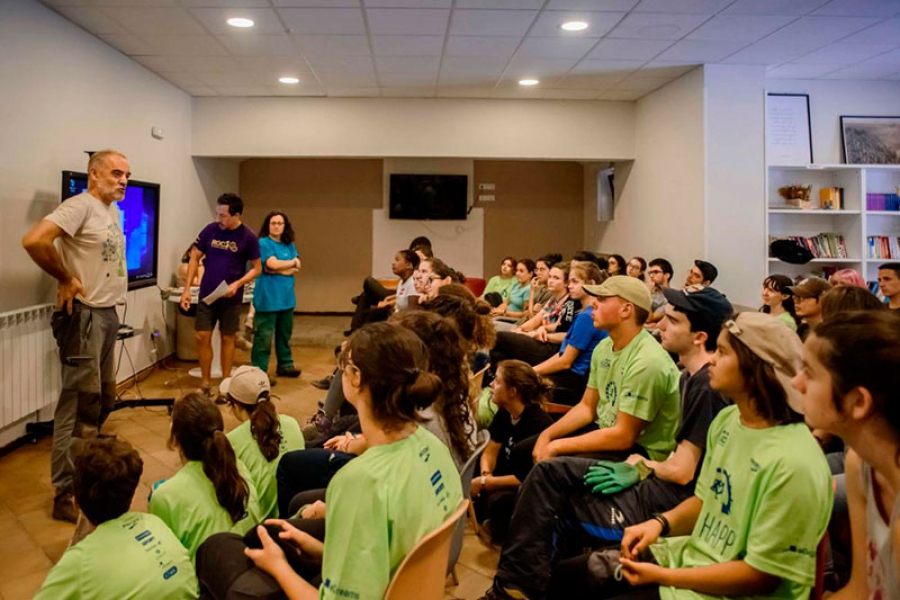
[(518, 296), (584, 336), (274, 291), (226, 254)]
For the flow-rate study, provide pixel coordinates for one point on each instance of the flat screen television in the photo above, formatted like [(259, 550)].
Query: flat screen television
[(139, 211), (429, 197)]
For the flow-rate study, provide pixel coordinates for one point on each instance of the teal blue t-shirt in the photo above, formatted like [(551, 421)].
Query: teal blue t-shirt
[(273, 291), (518, 296)]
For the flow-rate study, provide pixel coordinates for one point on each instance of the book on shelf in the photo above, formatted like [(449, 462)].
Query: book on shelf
[(882, 202), (882, 246), (831, 198), (824, 245)]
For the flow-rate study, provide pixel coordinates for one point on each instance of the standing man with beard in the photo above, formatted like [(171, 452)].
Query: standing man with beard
[(89, 264)]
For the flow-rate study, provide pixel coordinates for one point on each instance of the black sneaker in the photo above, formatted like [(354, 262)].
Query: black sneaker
[(497, 593), (324, 383), (64, 508), (291, 371)]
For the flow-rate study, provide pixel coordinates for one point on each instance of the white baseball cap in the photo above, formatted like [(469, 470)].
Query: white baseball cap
[(248, 385)]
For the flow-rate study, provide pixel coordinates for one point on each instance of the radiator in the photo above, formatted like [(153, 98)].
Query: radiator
[(29, 363)]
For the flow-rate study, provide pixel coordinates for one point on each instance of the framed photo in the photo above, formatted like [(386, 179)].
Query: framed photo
[(871, 140), (788, 130)]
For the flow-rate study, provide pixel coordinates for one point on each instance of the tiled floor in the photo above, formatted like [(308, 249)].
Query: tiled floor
[(33, 541)]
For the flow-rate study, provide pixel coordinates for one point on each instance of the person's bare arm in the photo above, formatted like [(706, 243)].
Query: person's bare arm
[(558, 362), (578, 416), (274, 265), (621, 436), (856, 503), (38, 243), (680, 467), (193, 266), (253, 273)]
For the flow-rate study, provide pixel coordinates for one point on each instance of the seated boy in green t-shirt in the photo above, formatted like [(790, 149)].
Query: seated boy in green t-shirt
[(129, 554), (631, 403)]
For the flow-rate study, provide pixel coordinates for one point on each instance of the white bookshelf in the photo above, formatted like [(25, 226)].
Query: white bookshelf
[(854, 222)]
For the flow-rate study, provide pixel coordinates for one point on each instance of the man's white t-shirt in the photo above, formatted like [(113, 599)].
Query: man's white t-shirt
[(94, 249)]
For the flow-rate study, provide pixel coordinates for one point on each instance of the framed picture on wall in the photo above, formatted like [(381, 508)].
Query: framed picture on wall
[(788, 130), (871, 140)]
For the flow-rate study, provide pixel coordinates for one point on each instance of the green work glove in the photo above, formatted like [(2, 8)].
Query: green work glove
[(610, 478)]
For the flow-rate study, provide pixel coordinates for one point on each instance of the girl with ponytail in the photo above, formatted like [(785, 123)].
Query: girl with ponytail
[(519, 393), (213, 491), (263, 436), (381, 504)]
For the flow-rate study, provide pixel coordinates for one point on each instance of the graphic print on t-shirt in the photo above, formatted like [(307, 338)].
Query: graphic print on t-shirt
[(112, 248)]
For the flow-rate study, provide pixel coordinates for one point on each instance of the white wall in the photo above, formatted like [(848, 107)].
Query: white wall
[(373, 127), (735, 239), (659, 198), (828, 100), (65, 92), (458, 243)]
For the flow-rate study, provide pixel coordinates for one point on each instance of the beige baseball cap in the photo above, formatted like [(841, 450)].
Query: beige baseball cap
[(630, 289), (247, 385), (771, 340)]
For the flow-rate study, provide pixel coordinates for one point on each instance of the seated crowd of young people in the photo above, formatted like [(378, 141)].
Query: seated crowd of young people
[(677, 464)]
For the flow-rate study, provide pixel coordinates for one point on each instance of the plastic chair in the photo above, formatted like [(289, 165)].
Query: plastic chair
[(476, 285), (476, 382), (556, 409), (468, 471), (423, 572)]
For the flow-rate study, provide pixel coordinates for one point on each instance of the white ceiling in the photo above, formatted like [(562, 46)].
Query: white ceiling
[(481, 48)]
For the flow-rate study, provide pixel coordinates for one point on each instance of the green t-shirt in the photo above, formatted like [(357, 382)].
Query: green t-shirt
[(133, 556), (379, 506), (499, 285), (262, 470), (187, 503), (767, 499), (642, 381), (788, 320)]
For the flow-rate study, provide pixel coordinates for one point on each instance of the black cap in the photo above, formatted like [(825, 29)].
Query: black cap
[(709, 270), (706, 307), (790, 252)]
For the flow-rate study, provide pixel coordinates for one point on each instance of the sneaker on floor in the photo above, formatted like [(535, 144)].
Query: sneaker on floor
[(291, 371), (316, 428), (497, 593), (272, 381), (64, 508), (324, 383)]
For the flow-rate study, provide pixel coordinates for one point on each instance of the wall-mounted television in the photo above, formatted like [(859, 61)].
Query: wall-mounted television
[(429, 197), (139, 211)]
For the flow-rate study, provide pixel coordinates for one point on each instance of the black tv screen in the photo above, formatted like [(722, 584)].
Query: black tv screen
[(429, 197), (139, 211)]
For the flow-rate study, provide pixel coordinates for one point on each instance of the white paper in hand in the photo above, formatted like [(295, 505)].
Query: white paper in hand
[(217, 293)]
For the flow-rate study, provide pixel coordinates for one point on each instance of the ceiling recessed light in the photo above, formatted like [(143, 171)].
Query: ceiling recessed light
[(528, 82), (289, 80), (240, 22), (574, 26)]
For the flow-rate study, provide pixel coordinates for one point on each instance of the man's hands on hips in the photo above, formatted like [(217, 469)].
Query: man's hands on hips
[(66, 292)]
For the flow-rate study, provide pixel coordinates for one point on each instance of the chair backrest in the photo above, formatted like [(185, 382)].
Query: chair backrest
[(466, 474), (476, 285), (476, 381), (423, 572), (556, 409)]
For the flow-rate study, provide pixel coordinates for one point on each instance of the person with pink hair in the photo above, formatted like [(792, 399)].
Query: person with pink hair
[(848, 277)]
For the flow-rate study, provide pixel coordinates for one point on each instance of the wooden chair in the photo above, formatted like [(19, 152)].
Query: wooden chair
[(422, 574), (556, 409), (476, 381)]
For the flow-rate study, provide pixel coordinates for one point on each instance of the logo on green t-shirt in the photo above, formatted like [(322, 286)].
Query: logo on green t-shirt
[(612, 393), (722, 487)]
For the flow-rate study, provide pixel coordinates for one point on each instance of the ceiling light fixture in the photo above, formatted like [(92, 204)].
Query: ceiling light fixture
[(528, 82), (289, 80), (574, 26), (240, 22)]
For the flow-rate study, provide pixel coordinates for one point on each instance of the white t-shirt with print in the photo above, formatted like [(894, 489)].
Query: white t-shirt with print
[(93, 249)]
